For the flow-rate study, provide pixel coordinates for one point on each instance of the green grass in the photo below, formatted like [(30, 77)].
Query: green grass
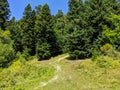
[(74, 75), (85, 75), (25, 75)]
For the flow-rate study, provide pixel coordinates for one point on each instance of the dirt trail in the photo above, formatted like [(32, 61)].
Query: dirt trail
[(56, 76)]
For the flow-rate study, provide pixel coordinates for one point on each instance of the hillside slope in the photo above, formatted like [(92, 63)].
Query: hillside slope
[(59, 73)]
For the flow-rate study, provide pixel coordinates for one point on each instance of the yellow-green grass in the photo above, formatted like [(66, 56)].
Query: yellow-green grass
[(73, 75), (25, 75), (85, 75)]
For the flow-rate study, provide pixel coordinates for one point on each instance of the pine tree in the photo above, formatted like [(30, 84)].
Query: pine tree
[(96, 13), (75, 13), (10, 24), (38, 9), (59, 14), (78, 40), (4, 13), (59, 24), (16, 35), (28, 33), (14, 27), (46, 39)]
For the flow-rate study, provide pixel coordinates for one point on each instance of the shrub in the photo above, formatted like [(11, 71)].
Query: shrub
[(26, 54), (107, 48), (114, 54), (7, 53), (22, 73), (95, 54), (106, 62)]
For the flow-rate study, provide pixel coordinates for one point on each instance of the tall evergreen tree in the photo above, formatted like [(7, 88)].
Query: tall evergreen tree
[(16, 35), (60, 21), (75, 13), (10, 24), (28, 33), (38, 9), (4, 13), (46, 39), (96, 13), (77, 37), (59, 14)]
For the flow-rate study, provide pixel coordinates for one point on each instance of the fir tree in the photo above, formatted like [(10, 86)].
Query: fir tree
[(59, 26), (28, 33), (78, 40), (16, 36), (4, 13), (38, 9), (46, 39), (59, 14), (96, 13)]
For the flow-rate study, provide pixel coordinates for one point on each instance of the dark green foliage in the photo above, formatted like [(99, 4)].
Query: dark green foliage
[(75, 15), (96, 13), (77, 36), (60, 22), (16, 36), (75, 8), (45, 36), (79, 45), (10, 24), (86, 27), (43, 51), (59, 14), (4, 13), (27, 30), (38, 9)]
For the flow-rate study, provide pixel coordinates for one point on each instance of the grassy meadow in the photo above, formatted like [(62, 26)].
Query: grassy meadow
[(73, 75)]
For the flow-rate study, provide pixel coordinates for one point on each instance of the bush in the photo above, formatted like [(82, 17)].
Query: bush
[(26, 54), (107, 48), (7, 53), (95, 54), (22, 73), (106, 62), (114, 54)]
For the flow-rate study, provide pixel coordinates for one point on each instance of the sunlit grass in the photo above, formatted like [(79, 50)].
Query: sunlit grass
[(25, 75), (85, 75), (74, 75)]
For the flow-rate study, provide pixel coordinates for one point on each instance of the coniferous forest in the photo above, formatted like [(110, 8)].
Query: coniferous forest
[(90, 29)]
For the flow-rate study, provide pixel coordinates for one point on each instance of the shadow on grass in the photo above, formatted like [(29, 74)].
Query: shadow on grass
[(43, 60), (73, 59)]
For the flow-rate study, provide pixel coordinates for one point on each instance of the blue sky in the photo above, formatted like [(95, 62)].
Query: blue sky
[(17, 6)]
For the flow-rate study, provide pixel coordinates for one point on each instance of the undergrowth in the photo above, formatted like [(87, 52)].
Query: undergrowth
[(22, 75)]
